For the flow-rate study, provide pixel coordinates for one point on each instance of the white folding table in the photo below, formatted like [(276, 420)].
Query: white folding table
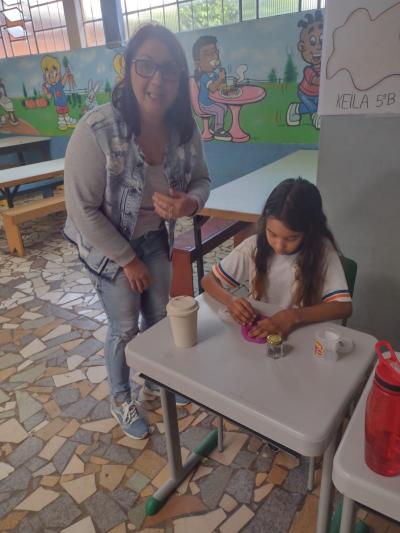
[(18, 143), (297, 401), (355, 480), (12, 178)]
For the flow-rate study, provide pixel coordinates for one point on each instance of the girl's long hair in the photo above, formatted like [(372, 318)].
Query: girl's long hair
[(297, 204), (179, 115)]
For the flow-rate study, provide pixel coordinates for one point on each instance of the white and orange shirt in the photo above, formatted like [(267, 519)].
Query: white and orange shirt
[(238, 269)]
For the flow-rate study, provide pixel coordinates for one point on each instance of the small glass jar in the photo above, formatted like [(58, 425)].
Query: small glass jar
[(274, 346)]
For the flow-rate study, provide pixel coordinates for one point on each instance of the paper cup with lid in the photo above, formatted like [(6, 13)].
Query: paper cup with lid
[(182, 313)]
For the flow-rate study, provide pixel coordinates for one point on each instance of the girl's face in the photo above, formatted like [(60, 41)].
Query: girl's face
[(155, 91), (282, 240)]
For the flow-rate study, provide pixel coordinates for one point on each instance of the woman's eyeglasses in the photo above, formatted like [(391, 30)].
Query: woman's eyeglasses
[(146, 68)]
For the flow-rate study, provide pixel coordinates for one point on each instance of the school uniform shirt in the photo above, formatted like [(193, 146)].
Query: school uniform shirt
[(238, 269)]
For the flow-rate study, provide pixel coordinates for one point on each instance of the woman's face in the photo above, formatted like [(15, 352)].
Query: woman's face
[(283, 241), (155, 93)]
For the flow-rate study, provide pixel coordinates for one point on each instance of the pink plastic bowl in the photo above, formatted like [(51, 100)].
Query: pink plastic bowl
[(246, 329)]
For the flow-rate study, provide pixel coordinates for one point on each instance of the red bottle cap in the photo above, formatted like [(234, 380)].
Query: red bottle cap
[(388, 370)]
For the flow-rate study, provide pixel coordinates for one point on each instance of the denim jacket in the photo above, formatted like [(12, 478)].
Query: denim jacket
[(122, 182)]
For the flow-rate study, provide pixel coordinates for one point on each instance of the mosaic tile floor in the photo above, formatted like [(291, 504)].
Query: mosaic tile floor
[(65, 465)]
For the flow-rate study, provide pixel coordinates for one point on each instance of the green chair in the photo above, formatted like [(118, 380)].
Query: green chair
[(350, 271), (334, 527)]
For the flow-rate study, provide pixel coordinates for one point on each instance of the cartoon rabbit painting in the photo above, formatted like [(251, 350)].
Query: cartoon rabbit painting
[(91, 101), (7, 106)]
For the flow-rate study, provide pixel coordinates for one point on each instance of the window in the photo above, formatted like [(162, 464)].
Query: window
[(31, 27), (92, 22), (38, 26), (187, 15)]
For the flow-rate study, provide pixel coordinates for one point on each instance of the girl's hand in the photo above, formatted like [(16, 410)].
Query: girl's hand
[(138, 275), (241, 311), (176, 205), (281, 322)]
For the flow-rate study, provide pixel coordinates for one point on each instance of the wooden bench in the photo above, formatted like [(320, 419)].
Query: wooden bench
[(214, 232), (15, 216)]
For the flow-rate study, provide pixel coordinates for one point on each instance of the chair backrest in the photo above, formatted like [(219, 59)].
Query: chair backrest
[(350, 271), (194, 98)]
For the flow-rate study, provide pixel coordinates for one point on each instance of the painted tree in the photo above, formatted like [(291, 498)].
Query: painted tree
[(25, 92), (107, 86), (290, 74), (272, 77)]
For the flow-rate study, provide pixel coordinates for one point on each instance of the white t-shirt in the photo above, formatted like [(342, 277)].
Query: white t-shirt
[(154, 181), (238, 268)]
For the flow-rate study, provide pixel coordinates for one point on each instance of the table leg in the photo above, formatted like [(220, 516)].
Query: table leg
[(9, 195), (238, 135), (311, 470), (178, 470), (220, 433), (197, 222), (21, 158), (326, 487), (348, 513), (45, 147)]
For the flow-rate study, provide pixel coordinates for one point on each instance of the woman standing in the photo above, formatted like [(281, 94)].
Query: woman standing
[(133, 167)]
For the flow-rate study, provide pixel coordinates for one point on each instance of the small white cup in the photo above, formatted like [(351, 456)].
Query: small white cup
[(182, 312), (330, 345)]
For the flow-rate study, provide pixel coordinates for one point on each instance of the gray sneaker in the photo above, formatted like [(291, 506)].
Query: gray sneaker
[(293, 116), (149, 389), (316, 120), (222, 135), (131, 422)]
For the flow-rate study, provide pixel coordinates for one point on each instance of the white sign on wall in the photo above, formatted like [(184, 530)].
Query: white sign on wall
[(361, 58)]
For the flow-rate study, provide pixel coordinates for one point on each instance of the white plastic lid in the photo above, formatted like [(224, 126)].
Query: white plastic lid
[(182, 305)]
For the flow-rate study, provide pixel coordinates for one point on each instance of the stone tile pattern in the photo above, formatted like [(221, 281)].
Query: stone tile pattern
[(53, 411)]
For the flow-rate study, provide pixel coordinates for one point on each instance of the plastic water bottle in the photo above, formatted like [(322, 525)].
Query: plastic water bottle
[(382, 414)]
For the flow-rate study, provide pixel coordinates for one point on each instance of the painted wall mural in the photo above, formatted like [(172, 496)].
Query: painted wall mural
[(256, 81)]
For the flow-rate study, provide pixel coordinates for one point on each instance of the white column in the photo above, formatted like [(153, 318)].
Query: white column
[(73, 18)]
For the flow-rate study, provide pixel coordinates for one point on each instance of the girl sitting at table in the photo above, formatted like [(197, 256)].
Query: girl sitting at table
[(292, 262)]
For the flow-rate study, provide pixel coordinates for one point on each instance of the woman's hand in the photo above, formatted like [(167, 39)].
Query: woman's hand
[(176, 205), (138, 275), (241, 311), (281, 322)]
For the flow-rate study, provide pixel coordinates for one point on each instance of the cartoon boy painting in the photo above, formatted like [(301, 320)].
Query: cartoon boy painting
[(53, 86), (310, 47), (210, 77)]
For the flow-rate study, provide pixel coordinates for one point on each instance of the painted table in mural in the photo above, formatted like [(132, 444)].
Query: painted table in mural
[(297, 401), (246, 94), (18, 144), (243, 198), (12, 178)]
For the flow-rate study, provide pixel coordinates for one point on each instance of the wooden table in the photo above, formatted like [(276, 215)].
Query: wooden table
[(12, 178), (297, 401), (355, 480), (243, 198), (18, 144)]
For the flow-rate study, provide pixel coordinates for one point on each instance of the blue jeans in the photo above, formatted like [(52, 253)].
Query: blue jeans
[(128, 311), (216, 110), (308, 104)]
